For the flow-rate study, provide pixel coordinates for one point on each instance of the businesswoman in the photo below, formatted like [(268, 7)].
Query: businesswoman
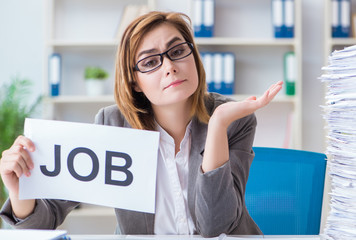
[(205, 146)]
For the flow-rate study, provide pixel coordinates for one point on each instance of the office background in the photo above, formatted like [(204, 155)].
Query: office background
[(22, 52), (22, 44)]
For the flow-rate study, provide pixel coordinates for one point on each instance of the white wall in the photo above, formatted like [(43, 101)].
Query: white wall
[(313, 60), (22, 43)]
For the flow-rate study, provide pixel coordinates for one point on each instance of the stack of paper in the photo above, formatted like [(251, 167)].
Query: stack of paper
[(340, 115)]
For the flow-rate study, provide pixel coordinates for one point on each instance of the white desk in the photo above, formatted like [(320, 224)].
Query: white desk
[(181, 237), (56, 234)]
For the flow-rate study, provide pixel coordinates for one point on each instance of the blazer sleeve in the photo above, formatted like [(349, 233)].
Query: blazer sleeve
[(48, 214), (220, 194)]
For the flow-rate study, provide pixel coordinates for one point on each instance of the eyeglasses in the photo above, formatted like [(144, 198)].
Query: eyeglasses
[(153, 62)]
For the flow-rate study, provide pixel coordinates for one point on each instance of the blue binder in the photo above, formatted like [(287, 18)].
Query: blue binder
[(341, 18), (335, 11), (198, 6), (283, 18), (204, 18), (208, 18), (219, 71), (229, 73), (288, 18), (277, 18), (207, 58), (54, 73)]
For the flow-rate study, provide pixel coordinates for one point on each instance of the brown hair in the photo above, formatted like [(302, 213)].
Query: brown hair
[(135, 107)]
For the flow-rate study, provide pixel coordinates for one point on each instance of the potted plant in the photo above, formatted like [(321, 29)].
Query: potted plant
[(95, 77), (14, 109)]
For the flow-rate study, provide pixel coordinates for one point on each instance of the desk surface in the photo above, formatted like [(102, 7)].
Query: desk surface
[(181, 237)]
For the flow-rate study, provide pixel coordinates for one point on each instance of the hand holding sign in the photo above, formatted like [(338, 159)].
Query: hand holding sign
[(16, 161), (89, 163)]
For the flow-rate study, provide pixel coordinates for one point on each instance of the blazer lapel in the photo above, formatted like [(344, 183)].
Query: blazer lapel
[(199, 132)]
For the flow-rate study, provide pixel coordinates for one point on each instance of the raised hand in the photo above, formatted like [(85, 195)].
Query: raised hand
[(228, 112), (217, 146)]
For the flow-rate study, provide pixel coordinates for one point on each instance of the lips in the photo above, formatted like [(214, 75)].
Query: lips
[(175, 83)]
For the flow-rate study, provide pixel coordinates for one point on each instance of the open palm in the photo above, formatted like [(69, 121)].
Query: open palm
[(231, 111)]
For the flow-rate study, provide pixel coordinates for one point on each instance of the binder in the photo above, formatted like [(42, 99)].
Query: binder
[(283, 18), (290, 73), (277, 18), (198, 17), (335, 18), (341, 18), (208, 18), (54, 73), (204, 18), (229, 74), (345, 18), (218, 72), (289, 18), (208, 66)]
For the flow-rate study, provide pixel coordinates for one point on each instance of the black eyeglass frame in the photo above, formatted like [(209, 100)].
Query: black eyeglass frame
[(161, 57)]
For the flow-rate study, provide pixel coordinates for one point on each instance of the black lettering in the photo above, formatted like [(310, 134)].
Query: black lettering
[(109, 168), (57, 163), (94, 159)]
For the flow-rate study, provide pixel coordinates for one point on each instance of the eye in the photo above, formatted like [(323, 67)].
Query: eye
[(150, 62), (177, 52)]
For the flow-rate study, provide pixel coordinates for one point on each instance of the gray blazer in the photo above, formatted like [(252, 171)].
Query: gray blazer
[(216, 199)]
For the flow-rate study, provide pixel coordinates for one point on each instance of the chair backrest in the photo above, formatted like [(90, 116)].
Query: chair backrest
[(284, 191)]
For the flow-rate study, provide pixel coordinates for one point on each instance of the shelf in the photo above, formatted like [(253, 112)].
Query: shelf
[(81, 99), (83, 43), (199, 41), (245, 41), (110, 99), (343, 41)]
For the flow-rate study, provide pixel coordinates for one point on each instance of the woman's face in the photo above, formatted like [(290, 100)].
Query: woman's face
[(174, 81)]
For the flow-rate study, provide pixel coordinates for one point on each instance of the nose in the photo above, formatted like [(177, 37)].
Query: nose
[(168, 65)]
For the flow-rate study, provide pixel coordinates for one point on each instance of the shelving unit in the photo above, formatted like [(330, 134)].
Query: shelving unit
[(259, 58), (86, 36), (259, 63)]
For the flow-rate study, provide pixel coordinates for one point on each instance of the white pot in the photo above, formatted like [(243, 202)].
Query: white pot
[(94, 87)]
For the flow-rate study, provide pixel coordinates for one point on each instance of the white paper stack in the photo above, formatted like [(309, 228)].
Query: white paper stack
[(340, 115)]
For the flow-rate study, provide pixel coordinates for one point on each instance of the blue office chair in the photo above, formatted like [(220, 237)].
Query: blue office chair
[(284, 191)]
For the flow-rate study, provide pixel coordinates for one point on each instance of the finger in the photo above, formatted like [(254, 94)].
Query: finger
[(25, 142), (27, 158), (11, 167), (18, 152), (15, 162), (18, 170), (274, 89), (279, 83)]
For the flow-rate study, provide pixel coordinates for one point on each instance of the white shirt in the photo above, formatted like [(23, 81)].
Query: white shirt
[(172, 213)]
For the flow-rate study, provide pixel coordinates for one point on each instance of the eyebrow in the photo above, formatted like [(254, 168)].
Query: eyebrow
[(173, 40)]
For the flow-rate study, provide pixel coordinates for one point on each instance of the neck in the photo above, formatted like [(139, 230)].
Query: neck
[(174, 120)]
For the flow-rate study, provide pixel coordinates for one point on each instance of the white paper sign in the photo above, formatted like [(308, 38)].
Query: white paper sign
[(104, 165)]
